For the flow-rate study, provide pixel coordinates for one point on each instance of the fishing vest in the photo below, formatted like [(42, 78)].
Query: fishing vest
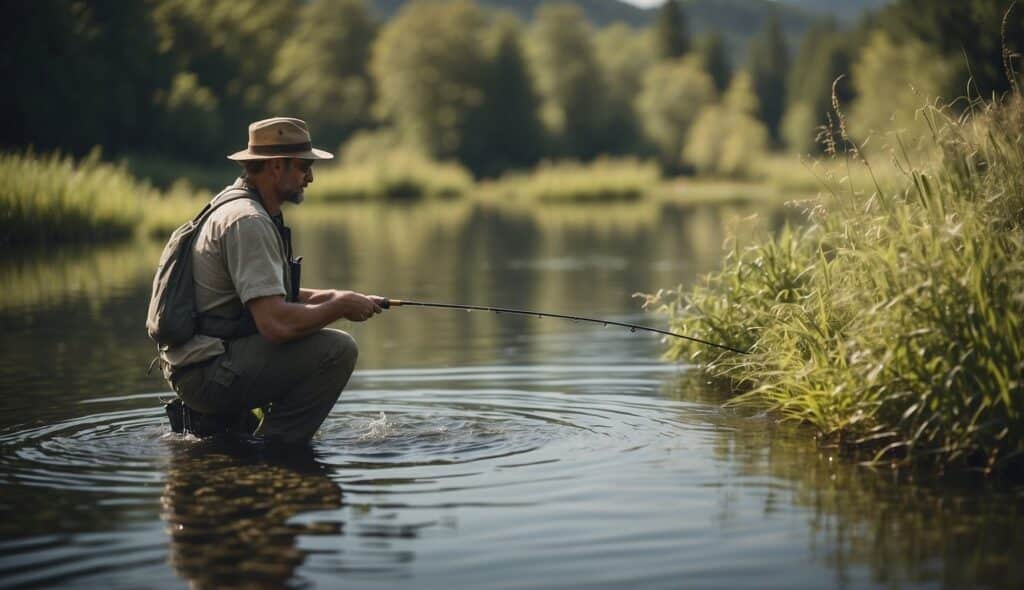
[(173, 318)]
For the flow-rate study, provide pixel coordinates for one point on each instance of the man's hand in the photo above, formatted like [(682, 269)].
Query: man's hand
[(280, 321), (356, 306)]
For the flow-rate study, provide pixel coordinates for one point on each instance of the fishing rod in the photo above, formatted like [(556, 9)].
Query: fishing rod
[(386, 303)]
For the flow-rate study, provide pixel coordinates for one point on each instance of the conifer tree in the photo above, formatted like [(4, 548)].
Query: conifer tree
[(713, 56), (512, 133), (671, 34), (768, 64)]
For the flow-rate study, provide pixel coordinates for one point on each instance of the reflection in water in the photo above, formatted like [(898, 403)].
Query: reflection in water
[(229, 513), (907, 529)]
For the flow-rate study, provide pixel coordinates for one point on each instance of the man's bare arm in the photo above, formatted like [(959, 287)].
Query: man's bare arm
[(281, 321)]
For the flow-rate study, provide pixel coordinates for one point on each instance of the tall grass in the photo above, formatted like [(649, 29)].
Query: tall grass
[(894, 319), (395, 175), (52, 198), (603, 180)]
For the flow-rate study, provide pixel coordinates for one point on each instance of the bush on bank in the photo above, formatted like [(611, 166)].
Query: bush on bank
[(603, 180), (52, 198), (394, 175), (893, 320)]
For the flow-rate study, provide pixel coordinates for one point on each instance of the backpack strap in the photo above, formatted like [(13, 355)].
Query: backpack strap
[(243, 324)]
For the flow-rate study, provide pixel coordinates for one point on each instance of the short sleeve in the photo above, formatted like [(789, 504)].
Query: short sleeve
[(253, 254)]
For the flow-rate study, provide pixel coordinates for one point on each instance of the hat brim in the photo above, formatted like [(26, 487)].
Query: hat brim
[(310, 154)]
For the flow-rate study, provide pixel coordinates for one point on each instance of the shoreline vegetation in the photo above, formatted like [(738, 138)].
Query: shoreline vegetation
[(890, 320), (53, 198)]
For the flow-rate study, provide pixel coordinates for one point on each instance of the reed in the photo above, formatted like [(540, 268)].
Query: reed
[(396, 175), (603, 180), (52, 198), (892, 319)]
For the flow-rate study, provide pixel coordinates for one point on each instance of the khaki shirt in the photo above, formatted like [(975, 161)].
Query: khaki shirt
[(237, 256)]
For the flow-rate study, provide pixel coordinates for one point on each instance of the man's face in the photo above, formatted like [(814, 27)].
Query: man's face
[(296, 175)]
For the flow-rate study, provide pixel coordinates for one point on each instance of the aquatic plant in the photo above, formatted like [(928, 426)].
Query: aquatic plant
[(395, 175), (49, 198), (893, 319), (604, 179)]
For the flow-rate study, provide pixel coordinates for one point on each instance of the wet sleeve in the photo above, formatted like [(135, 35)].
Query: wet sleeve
[(254, 259)]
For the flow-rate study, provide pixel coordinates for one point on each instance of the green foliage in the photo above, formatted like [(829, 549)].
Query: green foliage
[(893, 319), (768, 63), (624, 54), (892, 80), (674, 93), (429, 67), (971, 30), (727, 139), (52, 198), (715, 59), (823, 58), (568, 79), (512, 135), (602, 180), (672, 38), (229, 47), (321, 69), (81, 74), (396, 174)]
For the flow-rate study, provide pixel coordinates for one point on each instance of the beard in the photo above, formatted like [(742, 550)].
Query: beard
[(295, 197)]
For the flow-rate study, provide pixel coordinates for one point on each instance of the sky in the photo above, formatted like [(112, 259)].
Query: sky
[(645, 3)]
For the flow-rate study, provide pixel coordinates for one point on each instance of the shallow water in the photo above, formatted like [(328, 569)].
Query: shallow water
[(470, 450)]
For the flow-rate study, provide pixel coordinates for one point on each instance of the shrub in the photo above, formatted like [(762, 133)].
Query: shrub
[(893, 319)]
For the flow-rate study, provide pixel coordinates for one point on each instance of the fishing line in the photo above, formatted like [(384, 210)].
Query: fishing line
[(389, 303)]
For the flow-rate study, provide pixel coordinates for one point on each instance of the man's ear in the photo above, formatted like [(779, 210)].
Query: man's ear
[(276, 167)]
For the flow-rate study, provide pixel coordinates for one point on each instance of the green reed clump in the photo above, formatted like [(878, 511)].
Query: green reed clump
[(52, 198), (893, 320), (395, 175), (604, 179)]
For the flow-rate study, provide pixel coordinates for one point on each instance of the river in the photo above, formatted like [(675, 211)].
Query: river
[(470, 450)]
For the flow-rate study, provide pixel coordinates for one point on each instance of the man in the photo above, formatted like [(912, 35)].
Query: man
[(261, 339)]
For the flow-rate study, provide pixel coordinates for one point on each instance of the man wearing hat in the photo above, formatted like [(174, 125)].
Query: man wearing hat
[(261, 339)]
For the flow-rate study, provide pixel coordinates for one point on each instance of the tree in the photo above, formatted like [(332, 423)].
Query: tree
[(727, 139), (968, 30), (429, 67), (568, 78), (624, 54), (321, 70), (82, 74), (824, 56), (768, 64), (672, 38), (893, 80), (715, 59), (673, 95), (230, 46), (513, 135)]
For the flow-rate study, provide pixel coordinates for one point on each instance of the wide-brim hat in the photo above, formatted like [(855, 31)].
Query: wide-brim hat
[(280, 137)]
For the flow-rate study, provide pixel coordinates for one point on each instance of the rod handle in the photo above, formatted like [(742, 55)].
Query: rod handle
[(386, 303)]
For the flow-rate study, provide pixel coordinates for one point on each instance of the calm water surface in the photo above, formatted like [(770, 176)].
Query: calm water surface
[(471, 450)]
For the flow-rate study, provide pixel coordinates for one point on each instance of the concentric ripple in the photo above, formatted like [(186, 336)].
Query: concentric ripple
[(399, 453)]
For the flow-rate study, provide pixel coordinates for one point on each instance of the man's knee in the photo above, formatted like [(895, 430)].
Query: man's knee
[(340, 348)]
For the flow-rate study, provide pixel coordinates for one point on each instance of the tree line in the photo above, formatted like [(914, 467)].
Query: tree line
[(182, 78)]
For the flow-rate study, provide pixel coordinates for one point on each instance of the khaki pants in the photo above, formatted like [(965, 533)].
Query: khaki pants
[(302, 378)]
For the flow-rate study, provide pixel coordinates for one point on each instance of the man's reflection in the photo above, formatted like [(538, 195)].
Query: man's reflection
[(228, 507)]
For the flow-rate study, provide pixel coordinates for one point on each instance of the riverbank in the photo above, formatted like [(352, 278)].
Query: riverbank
[(54, 199), (891, 321)]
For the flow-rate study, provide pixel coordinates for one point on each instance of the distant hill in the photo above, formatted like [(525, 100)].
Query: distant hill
[(737, 20), (847, 11), (735, 16)]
